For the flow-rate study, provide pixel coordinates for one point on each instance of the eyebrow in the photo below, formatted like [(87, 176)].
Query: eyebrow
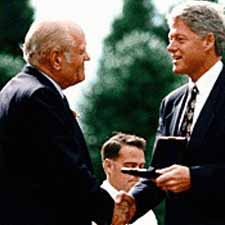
[(176, 35)]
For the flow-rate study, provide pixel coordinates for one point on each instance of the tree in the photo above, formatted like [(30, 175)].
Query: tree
[(133, 77), (137, 15), (15, 17), (9, 66)]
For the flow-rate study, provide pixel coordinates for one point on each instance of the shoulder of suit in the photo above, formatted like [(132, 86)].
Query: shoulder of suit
[(28, 84), (23, 86), (175, 94)]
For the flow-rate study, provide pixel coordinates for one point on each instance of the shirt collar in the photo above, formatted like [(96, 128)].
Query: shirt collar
[(208, 79), (109, 188), (58, 88)]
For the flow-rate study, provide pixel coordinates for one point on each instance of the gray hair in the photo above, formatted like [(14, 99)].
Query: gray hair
[(202, 17), (43, 36)]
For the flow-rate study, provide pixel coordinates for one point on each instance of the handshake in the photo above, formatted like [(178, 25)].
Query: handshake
[(124, 209)]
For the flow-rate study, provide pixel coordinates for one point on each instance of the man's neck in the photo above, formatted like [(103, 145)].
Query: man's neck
[(209, 63)]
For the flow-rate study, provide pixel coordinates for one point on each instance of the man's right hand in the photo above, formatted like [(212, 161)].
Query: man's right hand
[(124, 209)]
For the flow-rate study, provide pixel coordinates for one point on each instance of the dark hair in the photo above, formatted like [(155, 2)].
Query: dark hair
[(112, 146)]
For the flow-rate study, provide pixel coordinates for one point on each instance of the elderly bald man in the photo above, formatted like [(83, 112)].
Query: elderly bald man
[(46, 171)]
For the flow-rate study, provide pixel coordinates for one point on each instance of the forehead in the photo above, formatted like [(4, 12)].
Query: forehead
[(178, 26), (79, 38), (133, 153)]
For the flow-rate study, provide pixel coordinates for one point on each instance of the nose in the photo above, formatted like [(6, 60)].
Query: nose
[(87, 57), (171, 47)]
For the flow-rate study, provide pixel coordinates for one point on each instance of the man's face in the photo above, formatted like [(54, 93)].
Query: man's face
[(129, 156), (187, 50), (73, 62)]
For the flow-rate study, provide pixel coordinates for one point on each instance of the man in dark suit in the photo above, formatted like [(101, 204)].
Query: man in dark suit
[(194, 189), (45, 169)]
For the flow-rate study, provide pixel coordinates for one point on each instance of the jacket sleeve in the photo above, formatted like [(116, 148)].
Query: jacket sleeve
[(58, 161)]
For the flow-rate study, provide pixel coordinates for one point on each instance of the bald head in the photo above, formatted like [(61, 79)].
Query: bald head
[(46, 35), (57, 48)]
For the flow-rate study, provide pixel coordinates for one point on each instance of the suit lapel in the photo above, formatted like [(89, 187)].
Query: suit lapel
[(68, 116), (176, 111), (213, 105), (32, 71)]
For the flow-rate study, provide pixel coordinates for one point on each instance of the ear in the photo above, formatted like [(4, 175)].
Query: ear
[(56, 59), (209, 41), (107, 166)]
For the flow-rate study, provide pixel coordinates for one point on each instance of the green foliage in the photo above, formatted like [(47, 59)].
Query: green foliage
[(133, 76), (15, 17), (137, 15), (9, 66)]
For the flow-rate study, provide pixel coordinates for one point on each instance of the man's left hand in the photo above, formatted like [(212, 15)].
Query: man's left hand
[(175, 178)]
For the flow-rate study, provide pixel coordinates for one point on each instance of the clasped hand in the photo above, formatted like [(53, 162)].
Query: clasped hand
[(124, 209)]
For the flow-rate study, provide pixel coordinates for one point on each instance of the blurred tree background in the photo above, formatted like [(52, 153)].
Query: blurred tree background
[(15, 19), (134, 74)]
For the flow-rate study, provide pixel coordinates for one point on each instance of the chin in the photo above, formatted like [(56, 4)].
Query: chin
[(80, 77), (177, 70), (77, 81)]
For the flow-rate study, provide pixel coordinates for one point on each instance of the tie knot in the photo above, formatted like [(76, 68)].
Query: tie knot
[(194, 90)]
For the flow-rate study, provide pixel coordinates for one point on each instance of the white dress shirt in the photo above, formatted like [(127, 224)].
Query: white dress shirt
[(204, 84), (148, 218)]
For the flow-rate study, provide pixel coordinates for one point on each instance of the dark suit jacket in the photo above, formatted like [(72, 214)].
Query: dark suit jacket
[(45, 169), (205, 156)]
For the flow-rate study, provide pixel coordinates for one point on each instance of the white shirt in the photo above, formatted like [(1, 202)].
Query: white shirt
[(58, 88), (148, 218), (204, 84)]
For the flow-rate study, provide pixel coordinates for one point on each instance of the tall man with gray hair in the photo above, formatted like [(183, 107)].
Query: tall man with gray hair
[(194, 188)]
